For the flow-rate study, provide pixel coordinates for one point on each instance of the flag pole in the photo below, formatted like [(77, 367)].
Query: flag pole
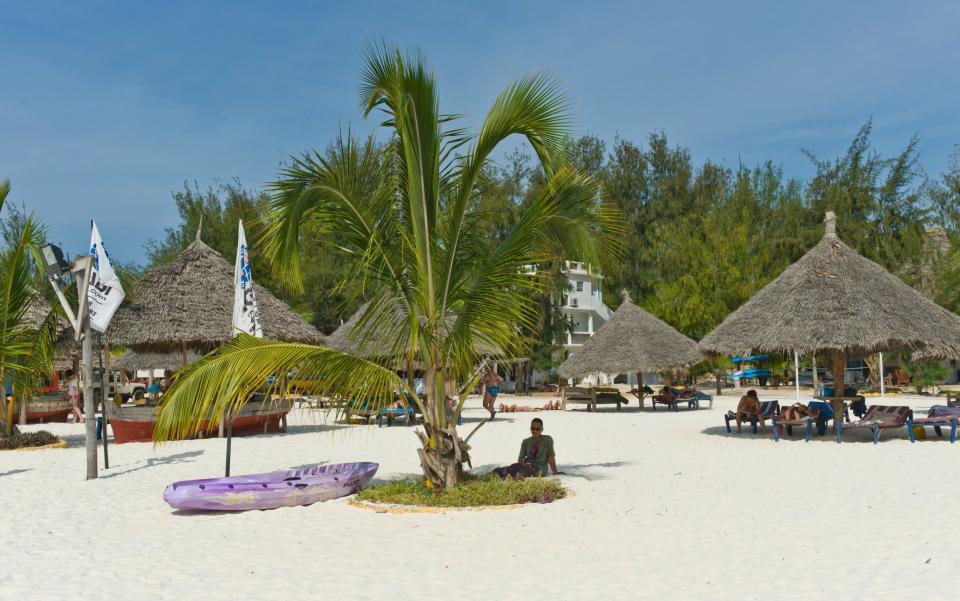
[(104, 394)]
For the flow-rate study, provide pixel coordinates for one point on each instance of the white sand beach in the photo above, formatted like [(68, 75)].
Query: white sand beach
[(666, 506)]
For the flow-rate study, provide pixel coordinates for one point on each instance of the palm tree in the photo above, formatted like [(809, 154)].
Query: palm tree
[(406, 212), (28, 325)]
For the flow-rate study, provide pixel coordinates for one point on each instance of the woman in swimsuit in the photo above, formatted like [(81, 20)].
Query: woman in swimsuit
[(491, 390)]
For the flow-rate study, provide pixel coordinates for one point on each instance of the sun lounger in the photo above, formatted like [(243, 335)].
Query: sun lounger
[(938, 417), (877, 418), (593, 396), (690, 396), (787, 425), (768, 409)]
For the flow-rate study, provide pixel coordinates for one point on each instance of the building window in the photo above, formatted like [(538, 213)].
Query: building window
[(579, 286), (574, 302)]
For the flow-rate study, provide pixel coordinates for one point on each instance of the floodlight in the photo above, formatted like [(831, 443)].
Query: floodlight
[(55, 264)]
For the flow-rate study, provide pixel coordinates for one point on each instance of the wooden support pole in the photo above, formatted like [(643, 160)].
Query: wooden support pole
[(839, 368)]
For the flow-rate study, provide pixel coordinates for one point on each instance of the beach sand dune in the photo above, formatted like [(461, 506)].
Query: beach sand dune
[(666, 506)]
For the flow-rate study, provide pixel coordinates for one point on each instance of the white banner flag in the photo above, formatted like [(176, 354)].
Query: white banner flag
[(246, 315), (105, 293)]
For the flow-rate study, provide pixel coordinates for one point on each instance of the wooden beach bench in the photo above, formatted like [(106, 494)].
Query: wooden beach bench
[(691, 397), (592, 396)]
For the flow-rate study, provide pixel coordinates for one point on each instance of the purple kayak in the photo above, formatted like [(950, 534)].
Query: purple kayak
[(272, 489)]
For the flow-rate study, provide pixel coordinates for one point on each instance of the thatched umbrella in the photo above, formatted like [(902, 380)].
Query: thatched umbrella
[(188, 304), (347, 340), (632, 341), (835, 300), (134, 360)]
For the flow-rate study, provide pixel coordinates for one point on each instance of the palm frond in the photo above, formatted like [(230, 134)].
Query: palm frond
[(533, 106), (220, 383)]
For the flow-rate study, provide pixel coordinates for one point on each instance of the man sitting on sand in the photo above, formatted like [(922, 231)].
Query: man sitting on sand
[(749, 407), (536, 453)]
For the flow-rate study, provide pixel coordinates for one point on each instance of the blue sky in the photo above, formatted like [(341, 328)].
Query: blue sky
[(106, 107)]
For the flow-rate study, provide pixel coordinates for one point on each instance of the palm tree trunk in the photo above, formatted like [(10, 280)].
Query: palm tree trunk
[(442, 452)]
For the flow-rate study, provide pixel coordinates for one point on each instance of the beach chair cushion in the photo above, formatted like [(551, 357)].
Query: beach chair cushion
[(938, 414), (767, 410), (886, 416)]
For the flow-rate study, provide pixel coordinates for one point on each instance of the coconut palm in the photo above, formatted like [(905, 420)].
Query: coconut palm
[(407, 213), (28, 325)]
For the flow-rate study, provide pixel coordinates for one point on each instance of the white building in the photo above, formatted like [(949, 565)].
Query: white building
[(583, 303)]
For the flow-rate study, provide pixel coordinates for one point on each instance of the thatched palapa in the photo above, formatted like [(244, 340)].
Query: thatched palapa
[(631, 341), (348, 338), (134, 360), (188, 303), (834, 299)]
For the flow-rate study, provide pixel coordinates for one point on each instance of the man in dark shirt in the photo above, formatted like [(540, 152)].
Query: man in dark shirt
[(536, 455)]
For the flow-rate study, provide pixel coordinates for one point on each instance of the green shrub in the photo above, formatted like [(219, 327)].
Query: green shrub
[(27, 439), (475, 491)]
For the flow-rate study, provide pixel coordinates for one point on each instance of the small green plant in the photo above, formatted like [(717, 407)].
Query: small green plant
[(473, 491), (925, 373), (27, 439)]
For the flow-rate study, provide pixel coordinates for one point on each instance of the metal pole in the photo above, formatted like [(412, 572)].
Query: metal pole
[(104, 394), (229, 439), (882, 387), (796, 373)]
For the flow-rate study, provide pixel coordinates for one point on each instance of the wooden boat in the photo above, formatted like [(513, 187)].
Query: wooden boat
[(136, 423), (52, 407), (272, 489)]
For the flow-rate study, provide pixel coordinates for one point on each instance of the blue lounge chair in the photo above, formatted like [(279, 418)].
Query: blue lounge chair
[(767, 410)]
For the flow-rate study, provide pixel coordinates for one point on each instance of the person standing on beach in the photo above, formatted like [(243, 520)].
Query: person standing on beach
[(73, 394), (490, 381)]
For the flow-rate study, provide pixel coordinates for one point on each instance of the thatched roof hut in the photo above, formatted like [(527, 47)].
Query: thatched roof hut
[(834, 299), (188, 303), (632, 341), (134, 360), (837, 301), (347, 339)]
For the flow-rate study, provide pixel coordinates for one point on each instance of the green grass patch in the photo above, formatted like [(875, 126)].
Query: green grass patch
[(474, 491), (27, 439)]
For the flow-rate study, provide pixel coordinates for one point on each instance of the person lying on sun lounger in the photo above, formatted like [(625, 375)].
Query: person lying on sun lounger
[(550, 406), (748, 407), (536, 454)]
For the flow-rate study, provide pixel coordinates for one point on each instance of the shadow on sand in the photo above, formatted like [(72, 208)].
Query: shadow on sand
[(587, 471), (12, 472), (306, 428), (855, 436), (152, 461)]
